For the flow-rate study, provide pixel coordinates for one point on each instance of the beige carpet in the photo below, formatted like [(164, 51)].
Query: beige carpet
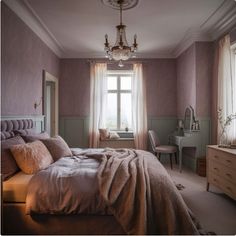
[(215, 211)]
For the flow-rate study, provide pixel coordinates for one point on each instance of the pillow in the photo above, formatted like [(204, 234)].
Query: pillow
[(57, 147), (8, 163), (32, 138), (104, 134), (113, 135), (32, 157)]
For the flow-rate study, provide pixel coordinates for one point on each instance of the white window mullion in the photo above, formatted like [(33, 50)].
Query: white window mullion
[(118, 105)]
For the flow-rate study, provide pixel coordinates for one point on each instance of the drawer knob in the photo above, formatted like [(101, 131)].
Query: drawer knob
[(229, 161), (215, 168), (216, 157)]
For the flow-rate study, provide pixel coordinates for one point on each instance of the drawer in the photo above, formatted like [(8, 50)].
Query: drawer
[(225, 158), (223, 171), (227, 187)]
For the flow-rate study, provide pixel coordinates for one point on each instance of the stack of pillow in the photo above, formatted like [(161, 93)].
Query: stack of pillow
[(107, 134), (31, 153)]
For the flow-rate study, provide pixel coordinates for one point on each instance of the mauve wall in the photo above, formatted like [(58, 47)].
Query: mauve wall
[(204, 63), (24, 57), (160, 79), (161, 87), (74, 87), (194, 75), (186, 83)]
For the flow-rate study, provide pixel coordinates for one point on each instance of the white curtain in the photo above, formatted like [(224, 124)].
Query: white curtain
[(98, 99), (139, 109), (226, 86)]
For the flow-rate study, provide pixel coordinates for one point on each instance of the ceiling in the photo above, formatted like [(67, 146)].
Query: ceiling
[(77, 27)]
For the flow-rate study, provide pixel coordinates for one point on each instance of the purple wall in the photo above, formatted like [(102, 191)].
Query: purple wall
[(75, 87), (194, 75), (204, 63), (161, 87), (24, 57), (186, 83)]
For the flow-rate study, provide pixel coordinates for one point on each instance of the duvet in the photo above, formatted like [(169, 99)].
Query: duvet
[(132, 185)]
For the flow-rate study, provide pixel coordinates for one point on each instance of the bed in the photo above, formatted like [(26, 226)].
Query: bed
[(136, 194)]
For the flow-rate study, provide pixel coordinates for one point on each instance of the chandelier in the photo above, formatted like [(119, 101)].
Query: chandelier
[(121, 51)]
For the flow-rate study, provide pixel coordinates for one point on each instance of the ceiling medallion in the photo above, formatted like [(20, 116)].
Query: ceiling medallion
[(127, 4), (121, 50)]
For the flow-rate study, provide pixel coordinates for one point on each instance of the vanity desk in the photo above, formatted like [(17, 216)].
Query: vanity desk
[(188, 135)]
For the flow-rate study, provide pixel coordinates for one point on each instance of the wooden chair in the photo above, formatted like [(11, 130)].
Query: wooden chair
[(159, 149)]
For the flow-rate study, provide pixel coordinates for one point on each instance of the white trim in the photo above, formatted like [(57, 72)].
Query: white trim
[(210, 30), (190, 37), (48, 77), (23, 9), (226, 14)]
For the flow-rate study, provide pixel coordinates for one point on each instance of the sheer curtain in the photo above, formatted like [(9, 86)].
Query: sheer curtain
[(139, 109), (98, 99), (226, 86)]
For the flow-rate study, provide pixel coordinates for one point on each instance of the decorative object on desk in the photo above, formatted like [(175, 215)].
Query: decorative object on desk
[(126, 129), (224, 124), (189, 120)]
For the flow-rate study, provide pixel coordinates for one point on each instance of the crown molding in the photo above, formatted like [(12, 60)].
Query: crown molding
[(191, 36), (222, 20), (23, 9), (218, 23)]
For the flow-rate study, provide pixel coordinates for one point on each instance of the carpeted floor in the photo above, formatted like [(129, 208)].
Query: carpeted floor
[(215, 211)]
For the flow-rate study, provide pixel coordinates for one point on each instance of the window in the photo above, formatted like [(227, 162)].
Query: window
[(119, 102)]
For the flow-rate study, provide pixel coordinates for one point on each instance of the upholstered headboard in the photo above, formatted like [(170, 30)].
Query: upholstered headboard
[(9, 126)]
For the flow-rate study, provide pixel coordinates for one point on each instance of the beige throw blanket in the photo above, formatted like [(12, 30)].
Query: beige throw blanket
[(141, 195), (130, 184)]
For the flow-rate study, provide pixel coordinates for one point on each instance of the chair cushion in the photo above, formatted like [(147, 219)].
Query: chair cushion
[(166, 149)]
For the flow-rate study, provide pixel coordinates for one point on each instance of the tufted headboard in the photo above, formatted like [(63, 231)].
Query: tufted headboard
[(8, 127)]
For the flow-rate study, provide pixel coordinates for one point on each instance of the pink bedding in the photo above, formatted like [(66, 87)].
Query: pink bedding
[(130, 184)]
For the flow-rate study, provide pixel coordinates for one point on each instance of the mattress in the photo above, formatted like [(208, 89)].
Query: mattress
[(15, 188)]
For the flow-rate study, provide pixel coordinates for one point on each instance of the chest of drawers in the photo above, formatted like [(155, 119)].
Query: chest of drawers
[(221, 169)]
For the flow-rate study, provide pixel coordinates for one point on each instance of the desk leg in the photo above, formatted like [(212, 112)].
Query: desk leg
[(180, 160)]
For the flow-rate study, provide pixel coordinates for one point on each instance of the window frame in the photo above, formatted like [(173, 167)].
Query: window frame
[(119, 91)]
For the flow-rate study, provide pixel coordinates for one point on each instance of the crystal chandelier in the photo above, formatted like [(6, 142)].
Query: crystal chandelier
[(121, 51)]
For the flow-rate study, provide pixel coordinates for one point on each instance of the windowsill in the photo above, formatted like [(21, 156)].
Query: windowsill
[(119, 139)]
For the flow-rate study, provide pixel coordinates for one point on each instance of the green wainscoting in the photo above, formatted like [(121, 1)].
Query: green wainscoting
[(75, 131)]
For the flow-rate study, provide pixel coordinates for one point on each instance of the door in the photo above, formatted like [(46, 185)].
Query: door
[(50, 108)]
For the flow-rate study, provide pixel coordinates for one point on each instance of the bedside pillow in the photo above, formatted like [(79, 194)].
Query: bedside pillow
[(8, 163), (57, 147), (104, 134), (32, 138), (32, 157)]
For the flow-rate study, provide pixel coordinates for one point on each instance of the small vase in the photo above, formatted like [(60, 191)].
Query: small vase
[(223, 142), (126, 129)]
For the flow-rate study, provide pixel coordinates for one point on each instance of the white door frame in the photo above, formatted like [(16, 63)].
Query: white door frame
[(47, 77)]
